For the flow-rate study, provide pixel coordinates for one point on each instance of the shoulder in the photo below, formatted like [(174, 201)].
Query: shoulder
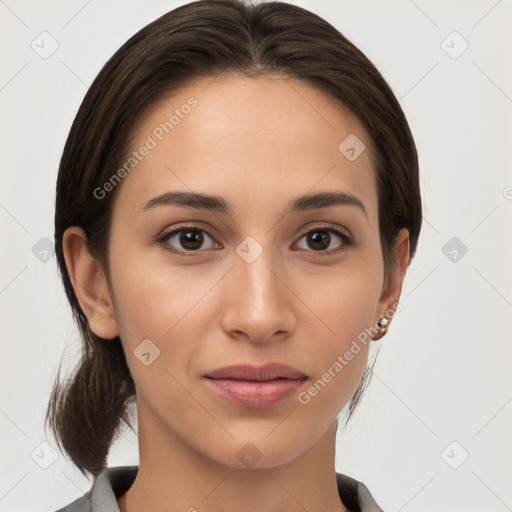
[(110, 484), (82, 504), (355, 495)]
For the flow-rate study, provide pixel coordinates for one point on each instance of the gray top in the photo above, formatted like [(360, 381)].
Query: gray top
[(112, 483)]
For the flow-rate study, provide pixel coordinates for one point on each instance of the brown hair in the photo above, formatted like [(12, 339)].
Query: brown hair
[(198, 40)]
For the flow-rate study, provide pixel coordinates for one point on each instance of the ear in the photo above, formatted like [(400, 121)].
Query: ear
[(392, 287), (90, 284)]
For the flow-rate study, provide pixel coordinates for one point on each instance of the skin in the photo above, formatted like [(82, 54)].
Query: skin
[(257, 143)]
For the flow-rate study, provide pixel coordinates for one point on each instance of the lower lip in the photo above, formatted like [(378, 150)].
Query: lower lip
[(256, 394)]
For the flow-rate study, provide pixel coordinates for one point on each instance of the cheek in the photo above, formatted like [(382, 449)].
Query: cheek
[(152, 303), (151, 297), (162, 303), (346, 301), (345, 309)]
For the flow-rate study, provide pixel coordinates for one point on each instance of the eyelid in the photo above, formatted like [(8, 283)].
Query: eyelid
[(329, 227)]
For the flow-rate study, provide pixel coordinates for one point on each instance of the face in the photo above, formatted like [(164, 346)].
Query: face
[(258, 278)]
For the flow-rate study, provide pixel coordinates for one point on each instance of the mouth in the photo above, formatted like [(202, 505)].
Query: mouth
[(269, 371), (258, 387)]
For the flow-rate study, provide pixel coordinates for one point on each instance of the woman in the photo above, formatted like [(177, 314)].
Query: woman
[(237, 205)]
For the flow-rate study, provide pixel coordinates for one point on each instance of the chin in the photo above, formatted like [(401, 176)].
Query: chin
[(258, 451)]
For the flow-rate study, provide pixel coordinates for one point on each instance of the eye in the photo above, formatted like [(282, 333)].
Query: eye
[(321, 238), (187, 239)]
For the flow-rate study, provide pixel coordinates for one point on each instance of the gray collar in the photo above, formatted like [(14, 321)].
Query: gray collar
[(111, 483)]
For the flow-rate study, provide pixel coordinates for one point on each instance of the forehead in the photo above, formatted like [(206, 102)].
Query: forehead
[(239, 136)]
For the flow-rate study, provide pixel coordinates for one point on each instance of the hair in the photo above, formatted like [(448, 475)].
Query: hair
[(199, 40)]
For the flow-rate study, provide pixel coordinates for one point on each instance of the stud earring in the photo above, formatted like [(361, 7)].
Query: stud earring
[(382, 324)]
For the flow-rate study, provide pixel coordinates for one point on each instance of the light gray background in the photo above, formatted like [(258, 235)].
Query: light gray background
[(443, 373)]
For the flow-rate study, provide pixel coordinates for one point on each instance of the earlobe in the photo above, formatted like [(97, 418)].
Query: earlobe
[(89, 283)]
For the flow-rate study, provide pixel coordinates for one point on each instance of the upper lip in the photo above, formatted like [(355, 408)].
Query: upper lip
[(269, 371)]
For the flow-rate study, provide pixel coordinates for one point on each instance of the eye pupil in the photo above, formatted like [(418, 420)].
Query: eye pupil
[(191, 239), (323, 240)]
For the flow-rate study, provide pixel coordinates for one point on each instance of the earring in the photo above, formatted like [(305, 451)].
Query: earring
[(382, 324)]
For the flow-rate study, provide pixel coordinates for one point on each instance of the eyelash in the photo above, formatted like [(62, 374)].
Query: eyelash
[(346, 240)]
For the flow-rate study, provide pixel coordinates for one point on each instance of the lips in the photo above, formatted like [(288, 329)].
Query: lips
[(269, 371), (252, 386)]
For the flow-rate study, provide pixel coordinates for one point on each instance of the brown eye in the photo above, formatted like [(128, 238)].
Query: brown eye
[(319, 239), (187, 239)]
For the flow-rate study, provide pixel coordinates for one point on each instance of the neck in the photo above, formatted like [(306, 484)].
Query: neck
[(175, 477)]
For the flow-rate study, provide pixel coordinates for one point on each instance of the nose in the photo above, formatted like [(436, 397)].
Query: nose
[(258, 302)]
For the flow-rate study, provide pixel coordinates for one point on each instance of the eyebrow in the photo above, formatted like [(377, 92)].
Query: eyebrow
[(220, 205)]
